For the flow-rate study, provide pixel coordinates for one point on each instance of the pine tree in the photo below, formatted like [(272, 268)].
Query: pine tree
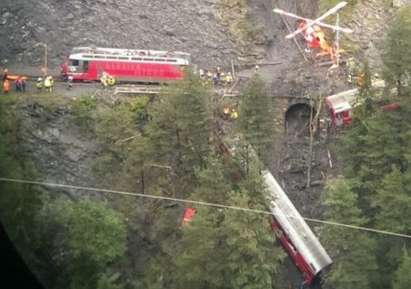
[(353, 252), (396, 57), (179, 129), (403, 274), (393, 203), (123, 147), (88, 239), (256, 119), (227, 249), (393, 207), (366, 94), (19, 203), (379, 144), (213, 183)]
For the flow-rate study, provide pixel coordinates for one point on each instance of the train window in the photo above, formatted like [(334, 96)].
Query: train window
[(75, 62), (136, 58), (312, 267), (123, 57), (85, 66), (148, 59), (88, 56), (112, 57), (171, 60)]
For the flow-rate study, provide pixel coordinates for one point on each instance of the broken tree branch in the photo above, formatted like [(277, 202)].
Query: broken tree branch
[(313, 129)]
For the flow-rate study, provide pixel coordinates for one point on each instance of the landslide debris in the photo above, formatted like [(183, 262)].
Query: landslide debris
[(202, 28)]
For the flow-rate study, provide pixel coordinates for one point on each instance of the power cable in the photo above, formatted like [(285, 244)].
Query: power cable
[(201, 203)]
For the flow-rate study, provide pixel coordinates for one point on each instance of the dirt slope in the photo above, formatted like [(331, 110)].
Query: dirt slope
[(188, 25)]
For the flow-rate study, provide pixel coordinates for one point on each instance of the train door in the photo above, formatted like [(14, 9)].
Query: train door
[(85, 66), (78, 66), (74, 65)]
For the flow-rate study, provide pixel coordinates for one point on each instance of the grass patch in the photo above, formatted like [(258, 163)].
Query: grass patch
[(83, 109)]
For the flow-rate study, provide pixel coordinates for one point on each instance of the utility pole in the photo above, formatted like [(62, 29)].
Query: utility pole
[(45, 68), (45, 60)]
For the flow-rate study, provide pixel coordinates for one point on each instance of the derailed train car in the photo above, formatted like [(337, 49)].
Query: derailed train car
[(295, 235)]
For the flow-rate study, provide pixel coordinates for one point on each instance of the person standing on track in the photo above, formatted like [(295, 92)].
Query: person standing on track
[(49, 83), (69, 82), (104, 79), (6, 81), (6, 86), (23, 84), (39, 84)]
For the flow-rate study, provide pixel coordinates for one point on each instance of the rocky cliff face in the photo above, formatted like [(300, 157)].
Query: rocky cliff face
[(188, 25), (61, 152)]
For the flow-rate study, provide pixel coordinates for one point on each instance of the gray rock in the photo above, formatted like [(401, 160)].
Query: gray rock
[(187, 25), (400, 3)]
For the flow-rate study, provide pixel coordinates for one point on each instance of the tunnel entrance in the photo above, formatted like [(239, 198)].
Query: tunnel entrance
[(297, 120)]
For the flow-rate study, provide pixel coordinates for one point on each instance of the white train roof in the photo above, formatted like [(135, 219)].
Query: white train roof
[(130, 55), (295, 226), (345, 100)]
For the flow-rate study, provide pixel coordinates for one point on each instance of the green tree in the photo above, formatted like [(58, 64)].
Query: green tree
[(90, 237), (227, 249), (124, 146), (253, 255), (213, 184), (256, 119), (396, 57), (379, 144), (403, 274), (179, 129), (393, 203), (353, 252), (366, 93), (108, 282), (19, 203)]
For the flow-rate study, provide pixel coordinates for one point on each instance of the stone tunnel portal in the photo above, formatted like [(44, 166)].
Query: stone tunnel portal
[(297, 119)]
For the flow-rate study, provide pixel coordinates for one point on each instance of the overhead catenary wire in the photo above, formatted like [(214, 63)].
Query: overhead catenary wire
[(201, 203)]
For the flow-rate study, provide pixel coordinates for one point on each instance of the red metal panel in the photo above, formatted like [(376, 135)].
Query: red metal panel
[(189, 214), (391, 107), (131, 71), (298, 259)]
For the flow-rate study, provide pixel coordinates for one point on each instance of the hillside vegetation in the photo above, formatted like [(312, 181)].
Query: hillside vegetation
[(170, 146), (160, 147)]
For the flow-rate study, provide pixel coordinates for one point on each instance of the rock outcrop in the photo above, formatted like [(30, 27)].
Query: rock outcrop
[(187, 25)]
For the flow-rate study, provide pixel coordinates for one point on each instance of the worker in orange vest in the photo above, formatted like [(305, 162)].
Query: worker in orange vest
[(6, 86), (6, 81)]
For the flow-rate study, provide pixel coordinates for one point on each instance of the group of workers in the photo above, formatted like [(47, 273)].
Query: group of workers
[(18, 81), (230, 113), (47, 84), (107, 80), (218, 77)]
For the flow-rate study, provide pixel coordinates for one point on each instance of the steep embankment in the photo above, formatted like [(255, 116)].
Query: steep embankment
[(213, 31)]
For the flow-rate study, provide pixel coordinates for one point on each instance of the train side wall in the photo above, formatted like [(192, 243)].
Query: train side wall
[(150, 72)]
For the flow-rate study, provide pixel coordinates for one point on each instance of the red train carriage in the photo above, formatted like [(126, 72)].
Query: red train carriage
[(295, 236), (293, 233), (88, 64), (340, 105)]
